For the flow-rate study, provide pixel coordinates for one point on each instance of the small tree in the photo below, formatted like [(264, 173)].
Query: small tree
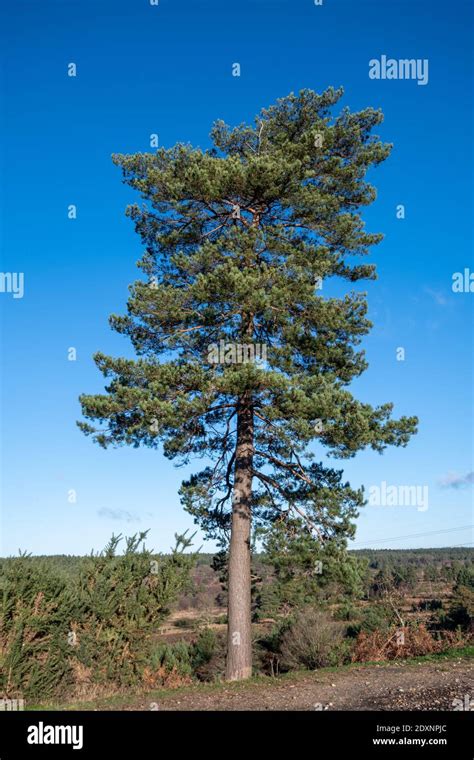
[(306, 572), (241, 359)]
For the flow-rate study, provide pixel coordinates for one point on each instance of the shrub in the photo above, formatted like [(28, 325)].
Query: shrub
[(203, 648), (461, 610), (186, 623), (373, 618), (312, 641), (346, 611), (36, 613), (124, 598), (179, 663), (208, 655), (169, 665), (92, 630), (428, 605)]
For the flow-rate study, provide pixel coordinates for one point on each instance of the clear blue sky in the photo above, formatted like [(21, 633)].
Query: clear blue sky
[(167, 69)]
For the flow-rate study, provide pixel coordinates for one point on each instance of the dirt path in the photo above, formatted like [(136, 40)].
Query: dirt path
[(401, 686)]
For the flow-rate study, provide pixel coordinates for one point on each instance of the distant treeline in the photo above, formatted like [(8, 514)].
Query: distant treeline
[(380, 557), (377, 558)]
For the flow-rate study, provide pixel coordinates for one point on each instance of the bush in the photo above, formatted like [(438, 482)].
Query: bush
[(186, 623), (208, 655), (124, 598), (346, 611), (95, 630), (203, 648), (169, 665), (172, 665), (428, 605), (312, 641), (374, 618), (36, 613), (461, 610)]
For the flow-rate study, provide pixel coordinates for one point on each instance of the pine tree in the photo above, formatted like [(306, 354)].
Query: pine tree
[(306, 572), (241, 360)]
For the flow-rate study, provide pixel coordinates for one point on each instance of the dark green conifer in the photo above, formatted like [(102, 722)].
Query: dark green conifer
[(238, 241)]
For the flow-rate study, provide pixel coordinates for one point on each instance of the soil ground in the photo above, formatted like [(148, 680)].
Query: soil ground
[(423, 684)]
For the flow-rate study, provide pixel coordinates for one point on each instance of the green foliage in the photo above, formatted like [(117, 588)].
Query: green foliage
[(461, 610), (238, 240), (203, 647), (401, 578), (37, 608), (202, 658), (346, 611), (430, 605), (207, 655), (305, 572), (465, 576), (220, 565), (171, 658), (124, 598), (376, 617), (98, 624)]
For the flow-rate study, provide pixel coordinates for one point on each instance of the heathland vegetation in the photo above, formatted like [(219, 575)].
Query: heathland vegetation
[(78, 628)]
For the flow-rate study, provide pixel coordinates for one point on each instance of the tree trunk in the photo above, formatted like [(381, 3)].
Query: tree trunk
[(239, 631)]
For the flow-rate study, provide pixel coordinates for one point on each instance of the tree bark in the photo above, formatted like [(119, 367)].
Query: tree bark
[(239, 630)]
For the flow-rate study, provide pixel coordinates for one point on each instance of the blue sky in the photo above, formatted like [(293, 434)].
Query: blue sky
[(167, 69)]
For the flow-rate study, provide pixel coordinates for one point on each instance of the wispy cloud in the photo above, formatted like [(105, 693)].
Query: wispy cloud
[(456, 481), (118, 514), (437, 296)]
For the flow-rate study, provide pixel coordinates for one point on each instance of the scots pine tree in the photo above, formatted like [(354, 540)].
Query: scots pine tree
[(241, 359), (305, 572)]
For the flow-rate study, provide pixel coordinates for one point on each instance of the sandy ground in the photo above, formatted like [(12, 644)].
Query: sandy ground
[(396, 686)]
